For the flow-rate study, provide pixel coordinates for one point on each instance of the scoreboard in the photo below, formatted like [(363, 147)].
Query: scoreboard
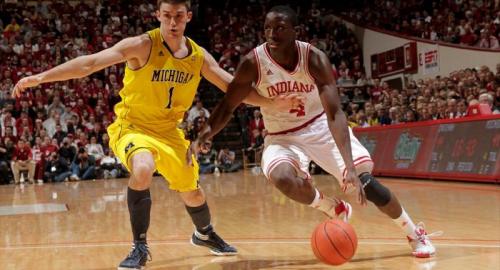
[(402, 59)]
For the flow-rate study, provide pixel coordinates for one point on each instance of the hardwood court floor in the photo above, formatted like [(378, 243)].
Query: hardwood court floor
[(270, 231)]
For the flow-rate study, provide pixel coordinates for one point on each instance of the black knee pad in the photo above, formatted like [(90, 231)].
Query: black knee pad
[(375, 192)]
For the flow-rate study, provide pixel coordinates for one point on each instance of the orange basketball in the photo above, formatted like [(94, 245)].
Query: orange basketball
[(334, 242)]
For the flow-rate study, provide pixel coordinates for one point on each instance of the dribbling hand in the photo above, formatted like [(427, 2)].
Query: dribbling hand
[(352, 180), (27, 82), (201, 144), (196, 147)]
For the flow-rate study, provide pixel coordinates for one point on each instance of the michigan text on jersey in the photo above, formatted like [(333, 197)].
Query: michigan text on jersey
[(171, 75)]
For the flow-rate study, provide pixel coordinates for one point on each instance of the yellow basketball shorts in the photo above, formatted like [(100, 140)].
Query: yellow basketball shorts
[(169, 152)]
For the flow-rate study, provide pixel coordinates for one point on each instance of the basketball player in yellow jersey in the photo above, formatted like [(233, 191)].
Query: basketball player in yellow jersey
[(163, 71)]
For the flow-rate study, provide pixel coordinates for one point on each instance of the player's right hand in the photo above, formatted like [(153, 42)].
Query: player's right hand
[(27, 82)]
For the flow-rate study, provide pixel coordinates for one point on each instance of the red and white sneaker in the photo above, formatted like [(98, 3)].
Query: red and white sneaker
[(421, 243), (342, 211)]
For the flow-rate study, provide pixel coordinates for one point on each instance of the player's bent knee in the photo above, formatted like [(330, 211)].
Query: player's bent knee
[(142, 173), (193, 198), (376, 193)]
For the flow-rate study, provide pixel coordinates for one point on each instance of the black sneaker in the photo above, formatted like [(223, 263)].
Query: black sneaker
[(137, 258), (212, 241)]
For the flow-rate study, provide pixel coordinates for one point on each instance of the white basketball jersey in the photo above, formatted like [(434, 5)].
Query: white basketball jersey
[(274, 80)]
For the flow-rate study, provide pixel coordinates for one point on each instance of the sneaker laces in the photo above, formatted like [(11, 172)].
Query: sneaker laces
[(422, 235), (218, 239), (138, 249)]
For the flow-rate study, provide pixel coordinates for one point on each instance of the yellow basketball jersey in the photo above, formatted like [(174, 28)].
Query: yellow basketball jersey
[(156, 96)]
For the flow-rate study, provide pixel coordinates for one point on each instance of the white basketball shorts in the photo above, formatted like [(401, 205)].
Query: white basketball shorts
[(313, 142)]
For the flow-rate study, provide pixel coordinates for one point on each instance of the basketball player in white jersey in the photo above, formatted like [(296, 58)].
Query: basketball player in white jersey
[(317, 131)]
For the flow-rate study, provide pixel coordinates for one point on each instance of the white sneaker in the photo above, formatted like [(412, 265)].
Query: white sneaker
[(342, 211), (421, 244)]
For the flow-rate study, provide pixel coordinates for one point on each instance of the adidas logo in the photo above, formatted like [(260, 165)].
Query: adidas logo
[(161, 53), (269, 72)]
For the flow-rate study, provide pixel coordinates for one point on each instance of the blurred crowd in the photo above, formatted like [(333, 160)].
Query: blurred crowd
[(237, 29), (57, 132), (422, 100), (466, 22)]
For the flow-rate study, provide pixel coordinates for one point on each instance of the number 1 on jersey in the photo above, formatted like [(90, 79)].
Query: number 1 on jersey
[(170, 92)]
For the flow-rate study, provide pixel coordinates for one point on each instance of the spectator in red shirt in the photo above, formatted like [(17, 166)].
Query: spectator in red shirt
[(23, 160), (48, 147), (39, 97), (256, 123), (82, 109), (24, 121), (468, 38), (376, 91), (8, 133)]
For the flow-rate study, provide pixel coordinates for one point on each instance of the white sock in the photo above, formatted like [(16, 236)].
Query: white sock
[(324, 204), (405, 223)]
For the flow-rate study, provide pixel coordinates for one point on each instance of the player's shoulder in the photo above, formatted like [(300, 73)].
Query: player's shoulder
[(136, 42), (317, 58), (250, 57), (315, 53), (247, 68), (143, 39)]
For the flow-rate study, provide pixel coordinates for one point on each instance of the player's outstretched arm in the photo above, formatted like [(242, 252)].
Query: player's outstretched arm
[(82, 66), (221, 78), (320, 68)]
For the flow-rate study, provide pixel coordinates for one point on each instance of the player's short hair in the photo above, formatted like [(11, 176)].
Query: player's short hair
[(175, 2), (288, 12)]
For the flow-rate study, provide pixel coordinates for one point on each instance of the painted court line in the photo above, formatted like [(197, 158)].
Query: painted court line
[(246, 239), (179, 243)]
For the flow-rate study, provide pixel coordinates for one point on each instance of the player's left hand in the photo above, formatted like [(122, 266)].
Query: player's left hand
[(24, 83), (351, 180), (288, 102)]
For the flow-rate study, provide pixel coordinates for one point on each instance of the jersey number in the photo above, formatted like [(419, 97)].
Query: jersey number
[(170, 92), (300, 111)]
